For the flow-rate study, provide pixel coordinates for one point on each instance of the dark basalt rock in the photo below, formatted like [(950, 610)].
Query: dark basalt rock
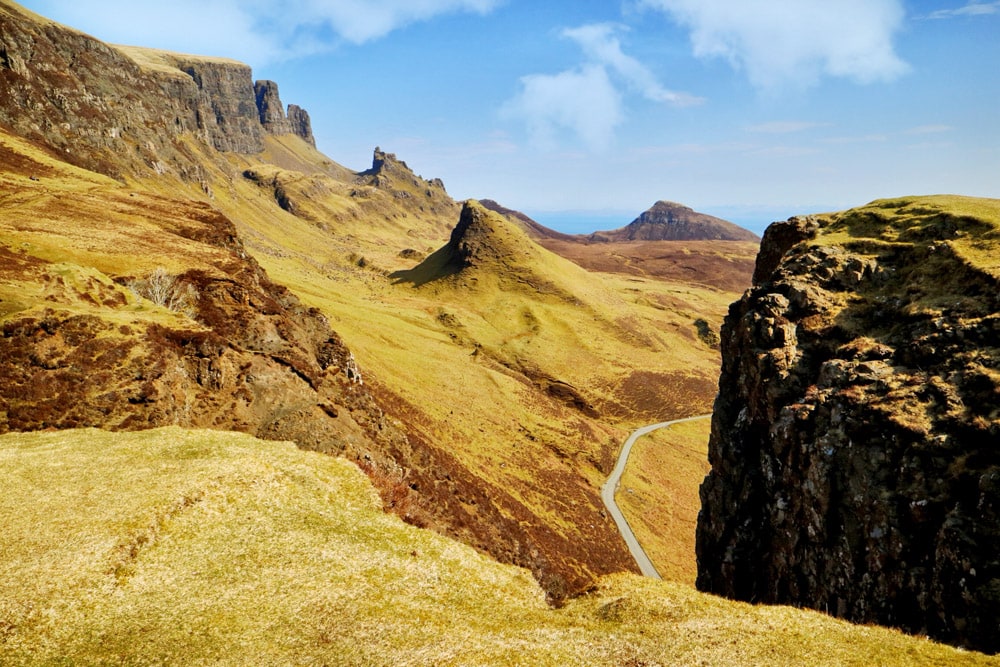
[(855, 466)]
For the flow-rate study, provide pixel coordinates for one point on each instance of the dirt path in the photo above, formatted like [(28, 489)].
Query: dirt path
[(611, 486)]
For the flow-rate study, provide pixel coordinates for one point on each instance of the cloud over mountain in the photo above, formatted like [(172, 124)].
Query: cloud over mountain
[(256, 31)]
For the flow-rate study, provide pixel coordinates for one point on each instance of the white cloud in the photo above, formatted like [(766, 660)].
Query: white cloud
[(795, 42), (600, 43), (360, 21), (970, 9), (582, 100), (254, 31), (588, 100)]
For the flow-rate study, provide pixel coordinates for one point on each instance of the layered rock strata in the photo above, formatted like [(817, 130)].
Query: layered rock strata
[(855, 468), (103, 107)]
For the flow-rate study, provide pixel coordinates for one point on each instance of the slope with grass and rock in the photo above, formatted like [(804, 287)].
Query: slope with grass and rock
[(178, 253), (854, 464), (179, 547)]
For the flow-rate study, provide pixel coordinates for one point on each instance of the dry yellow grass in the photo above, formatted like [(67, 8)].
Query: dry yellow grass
[(180, 547), (472, 357), (659, 495)]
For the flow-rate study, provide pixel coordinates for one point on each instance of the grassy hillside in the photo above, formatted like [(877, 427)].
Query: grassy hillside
[(180, 547), (510, 385), (515, 380), (658, 495), (525, 370)]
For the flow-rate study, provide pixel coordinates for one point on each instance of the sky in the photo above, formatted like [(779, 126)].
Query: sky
[(583, 113)]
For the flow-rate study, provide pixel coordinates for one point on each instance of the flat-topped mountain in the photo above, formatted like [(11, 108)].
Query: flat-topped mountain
[(669, 221), (694, 248)]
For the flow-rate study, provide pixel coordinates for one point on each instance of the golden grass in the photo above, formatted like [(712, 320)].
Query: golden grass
[(970, 225), (463, 352), (658, 495), (474, 359), (181, 547)]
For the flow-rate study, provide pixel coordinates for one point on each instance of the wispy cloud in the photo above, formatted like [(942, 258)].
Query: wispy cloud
[(794, 42), (360, 21), (255, 31), (970, 9), (784, 127), (588, 100), (601, 45)]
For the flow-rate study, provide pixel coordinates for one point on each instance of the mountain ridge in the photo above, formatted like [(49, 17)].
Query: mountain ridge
[(154, 272)]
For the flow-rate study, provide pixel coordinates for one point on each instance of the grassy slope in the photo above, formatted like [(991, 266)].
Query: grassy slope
[(194, 547), (925, 218), (469, 366), (72, 220), (659, 495), (455, 355)]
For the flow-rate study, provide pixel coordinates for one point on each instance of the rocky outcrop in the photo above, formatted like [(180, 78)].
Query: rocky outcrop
[(853, 447), (272, 113), (300, 123), (667, 221), (123, 110), (392, 175), (248, 357)]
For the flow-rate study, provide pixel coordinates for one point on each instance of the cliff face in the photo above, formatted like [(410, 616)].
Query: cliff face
[(103, 107), (855, 468), (272, 113)]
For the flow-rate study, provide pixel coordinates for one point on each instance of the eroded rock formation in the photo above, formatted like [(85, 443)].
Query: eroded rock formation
[(272, 113), (104, 107), (855, 466)]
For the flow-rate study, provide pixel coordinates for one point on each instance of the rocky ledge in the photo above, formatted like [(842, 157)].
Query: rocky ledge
[(855, 466)]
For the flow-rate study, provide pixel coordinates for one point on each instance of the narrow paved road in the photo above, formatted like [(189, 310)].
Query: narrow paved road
[(611, 486)]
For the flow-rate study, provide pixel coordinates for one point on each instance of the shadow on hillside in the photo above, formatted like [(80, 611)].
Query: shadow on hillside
[(440, 264)]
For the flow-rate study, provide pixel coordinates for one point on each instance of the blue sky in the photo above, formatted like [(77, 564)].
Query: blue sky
[(583, 113)]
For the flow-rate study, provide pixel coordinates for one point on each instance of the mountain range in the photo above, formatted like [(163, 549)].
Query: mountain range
[(186, 279)]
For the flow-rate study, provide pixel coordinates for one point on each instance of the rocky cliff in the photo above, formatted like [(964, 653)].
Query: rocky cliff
[(272, 113), (103, 107), (855, 466)]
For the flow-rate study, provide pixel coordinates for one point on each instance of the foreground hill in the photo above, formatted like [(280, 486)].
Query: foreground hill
[(854, 452), (181, 547)]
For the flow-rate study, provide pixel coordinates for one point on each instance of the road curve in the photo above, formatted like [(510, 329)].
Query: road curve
[(611, 486)]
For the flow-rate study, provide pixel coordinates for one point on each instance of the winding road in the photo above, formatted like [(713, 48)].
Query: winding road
[(611, 486)]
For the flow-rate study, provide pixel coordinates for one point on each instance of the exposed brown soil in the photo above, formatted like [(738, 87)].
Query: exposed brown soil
[(725, 265)]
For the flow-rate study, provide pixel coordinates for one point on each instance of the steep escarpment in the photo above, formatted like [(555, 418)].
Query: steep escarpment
[(124, 111), (855, 466)]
